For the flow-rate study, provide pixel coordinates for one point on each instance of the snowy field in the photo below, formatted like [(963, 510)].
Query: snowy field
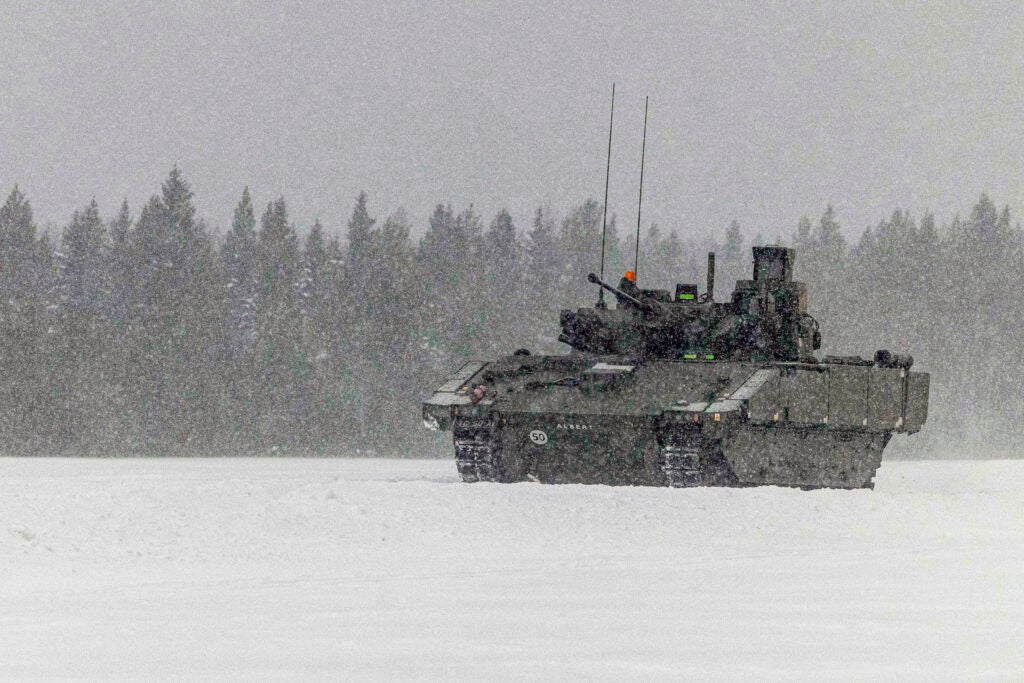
[(371, 569)]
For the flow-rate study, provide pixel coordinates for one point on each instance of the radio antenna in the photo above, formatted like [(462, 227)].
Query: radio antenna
[(640, 201), (604, 220)]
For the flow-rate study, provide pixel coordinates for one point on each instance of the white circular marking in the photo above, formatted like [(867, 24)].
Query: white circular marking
[(538, 437)]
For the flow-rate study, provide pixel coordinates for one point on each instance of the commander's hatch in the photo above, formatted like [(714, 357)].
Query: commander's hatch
[(605, 376)]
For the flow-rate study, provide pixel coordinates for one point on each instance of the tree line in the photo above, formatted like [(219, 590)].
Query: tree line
[(154, 334)]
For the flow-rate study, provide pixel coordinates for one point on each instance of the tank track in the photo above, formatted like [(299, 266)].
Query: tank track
[(478, 451), (681, 465), (686, 461)]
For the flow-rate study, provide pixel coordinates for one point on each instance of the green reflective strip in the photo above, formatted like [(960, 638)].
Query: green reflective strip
[(690, 356), (686, 297), (709, 356)]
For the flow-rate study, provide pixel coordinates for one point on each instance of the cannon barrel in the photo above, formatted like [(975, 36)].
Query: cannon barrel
[(642, 305)]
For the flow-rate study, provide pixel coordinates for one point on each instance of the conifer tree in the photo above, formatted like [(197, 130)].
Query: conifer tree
[(174, 342), (123, 430), (25, 279), (316, 281), (84, 342), (19, 267), (502, 294), (356, 324), (822, 264), (396, 360), (240, 281), (544, 265), (802, 237), (649, 271), (122, 269), (320, 308), (361, 239), (617, 259), (283, 365), (83, 263), (451, 262), (238, 258), (669, 260), (735, 255), (580, 239)]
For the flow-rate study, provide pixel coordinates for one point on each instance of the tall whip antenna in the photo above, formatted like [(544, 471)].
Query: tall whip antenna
[(604, 219), (640, 201)]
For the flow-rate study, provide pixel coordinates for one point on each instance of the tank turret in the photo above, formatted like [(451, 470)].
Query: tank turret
[(766, 319)]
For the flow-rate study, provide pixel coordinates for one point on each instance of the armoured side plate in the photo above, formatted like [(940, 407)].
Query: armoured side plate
[(804, 395), (917, 401), (885, 399), (804, 457), (848, 396)]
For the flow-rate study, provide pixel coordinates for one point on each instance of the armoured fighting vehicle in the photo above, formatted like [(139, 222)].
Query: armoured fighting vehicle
[(680, 390)]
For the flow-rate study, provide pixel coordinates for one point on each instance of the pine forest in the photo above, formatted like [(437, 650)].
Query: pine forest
[(147, 332)]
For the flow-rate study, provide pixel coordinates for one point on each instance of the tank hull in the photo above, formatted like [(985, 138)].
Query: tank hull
[(591, 420)]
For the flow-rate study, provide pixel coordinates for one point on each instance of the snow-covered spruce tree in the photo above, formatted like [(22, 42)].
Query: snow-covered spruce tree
[(504, 290), (822, 263), (660, 258), (320, 310), (283, 369), (580, 245), (238, 261), (397, 357), (982, 252), (453, 272), (383, 354), (736, 256), (316, 280), (361, 237), (26, 279), (174, 331), (123, 432), (616, 258), (238, 257), (84, 344), (543, 298), (351, 364), (122, 269)]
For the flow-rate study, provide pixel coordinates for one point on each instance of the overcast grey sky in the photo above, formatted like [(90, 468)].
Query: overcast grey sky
[(759, 112)]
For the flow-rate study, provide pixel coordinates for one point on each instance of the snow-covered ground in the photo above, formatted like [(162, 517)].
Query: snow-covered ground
[(374, 569)]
